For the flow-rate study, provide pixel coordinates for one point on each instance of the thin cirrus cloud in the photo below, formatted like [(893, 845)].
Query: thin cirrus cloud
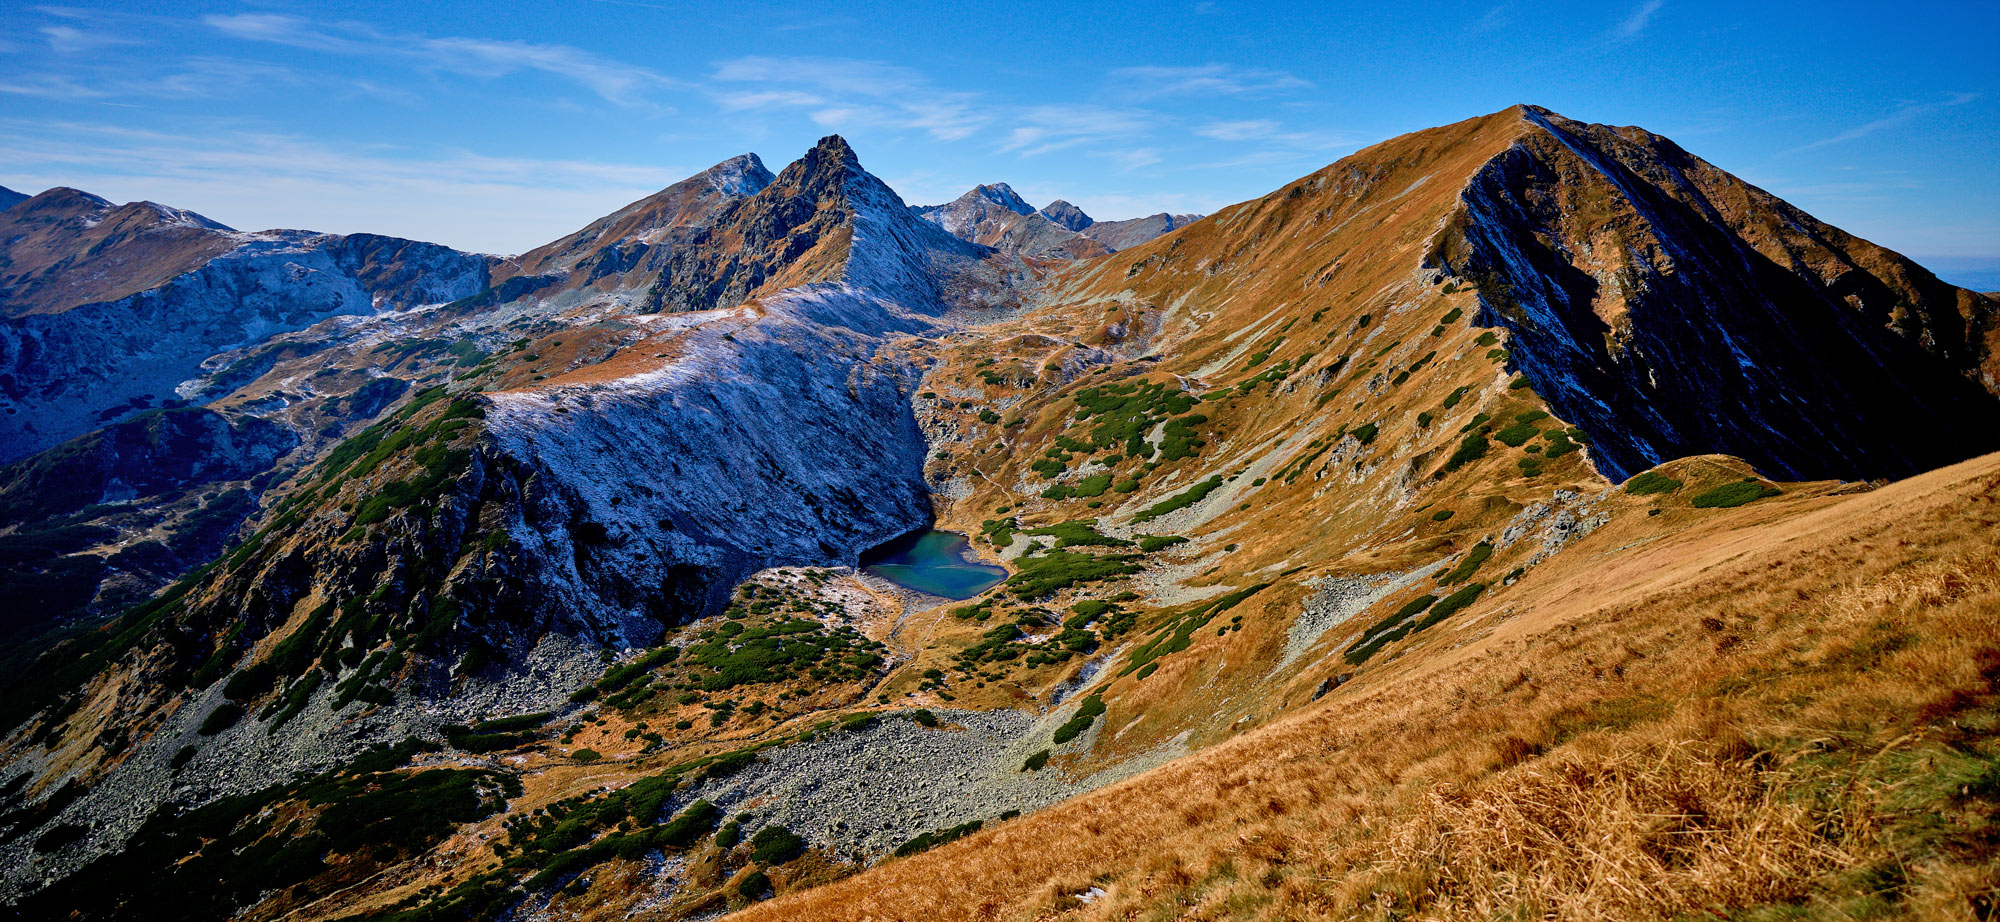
[(1046, 128), (614, 81), (189, 78), (64, 39), (1634, 25), (848, 93), (255, 180), (1894, 119), (1269, 133), (1155, 81)]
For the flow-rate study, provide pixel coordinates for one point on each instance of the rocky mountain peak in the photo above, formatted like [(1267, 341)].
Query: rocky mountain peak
[(1067, 215), (831, 151), (1003, 195), (743, 174)]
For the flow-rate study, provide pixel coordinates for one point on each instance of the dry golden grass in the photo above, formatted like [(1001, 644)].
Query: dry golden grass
[(1775, 716)]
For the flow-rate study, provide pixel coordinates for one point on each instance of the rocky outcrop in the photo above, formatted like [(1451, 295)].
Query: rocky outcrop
[(790, 442), (1671, 309), (735, 231), (627, 248)]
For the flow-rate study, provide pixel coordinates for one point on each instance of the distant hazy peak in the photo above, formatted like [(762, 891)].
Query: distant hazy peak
[(9, 198), (1067, 215), (743, 174)]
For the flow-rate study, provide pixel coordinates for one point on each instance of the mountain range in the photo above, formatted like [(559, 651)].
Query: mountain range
[(1423, 500)]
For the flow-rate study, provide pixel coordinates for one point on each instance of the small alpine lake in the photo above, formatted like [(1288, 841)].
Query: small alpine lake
[(935, 562)]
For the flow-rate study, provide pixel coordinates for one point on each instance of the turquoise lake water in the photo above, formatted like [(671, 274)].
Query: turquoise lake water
[(936, 562)]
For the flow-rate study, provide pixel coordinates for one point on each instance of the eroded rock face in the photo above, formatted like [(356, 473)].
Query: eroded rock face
[(65, 372), (790, 443), (1673, 310)]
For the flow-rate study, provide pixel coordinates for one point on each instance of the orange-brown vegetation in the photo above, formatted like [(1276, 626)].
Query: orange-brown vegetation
[(1775, 716)]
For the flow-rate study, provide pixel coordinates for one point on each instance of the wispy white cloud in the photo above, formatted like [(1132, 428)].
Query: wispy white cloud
[(1269, 133), (1042, 129), (615, 81), (1153, 81), (70, 39), (1245, 130), (50, 86), (190, 78), (1634, 25), (844, 93), (256, 180), (1894, 119), (1134, 158)]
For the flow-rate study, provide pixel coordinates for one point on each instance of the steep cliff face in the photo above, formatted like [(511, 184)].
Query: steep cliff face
[(720, 442), (108, 311), (1671, 309), (770, 440)]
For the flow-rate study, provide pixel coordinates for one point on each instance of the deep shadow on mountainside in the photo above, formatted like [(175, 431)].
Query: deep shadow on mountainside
[(553, 555)]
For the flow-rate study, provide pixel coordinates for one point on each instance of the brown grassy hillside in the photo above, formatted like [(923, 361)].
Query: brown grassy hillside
[(1786, 712)]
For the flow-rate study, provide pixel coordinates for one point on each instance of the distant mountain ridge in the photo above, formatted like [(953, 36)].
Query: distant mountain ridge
[(108, 310), (994, 215), (436, 488)]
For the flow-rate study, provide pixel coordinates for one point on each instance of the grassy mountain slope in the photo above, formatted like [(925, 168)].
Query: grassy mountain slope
[(1782, 711), (1329, 489)]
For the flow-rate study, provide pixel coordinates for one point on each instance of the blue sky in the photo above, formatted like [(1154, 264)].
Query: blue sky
[(496, 127)]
